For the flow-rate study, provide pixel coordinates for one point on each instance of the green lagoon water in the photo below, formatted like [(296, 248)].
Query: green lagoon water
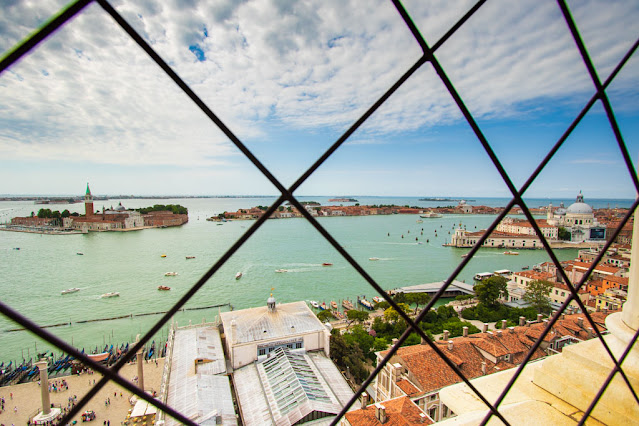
[(130, 263)]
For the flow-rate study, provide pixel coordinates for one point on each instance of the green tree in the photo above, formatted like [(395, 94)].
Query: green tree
[(391, 314), (348, 357), (324, 316), (65, 213), (563, 234), (417, 299), (489, 290), (357, 316), (537, 292)]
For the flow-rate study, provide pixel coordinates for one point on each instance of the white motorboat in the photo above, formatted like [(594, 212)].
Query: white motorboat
[(314, 304), (431, 215), (170, 274), (281, 270), (113, 294), (373, 258), (70, 290), (238, 275)]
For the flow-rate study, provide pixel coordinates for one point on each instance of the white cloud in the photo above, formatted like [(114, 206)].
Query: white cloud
[(91, 93)]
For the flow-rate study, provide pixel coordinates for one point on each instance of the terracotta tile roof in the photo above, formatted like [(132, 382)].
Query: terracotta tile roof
[(616, 279), (399, 412), (408, 388), (599, 268), (535, 275)]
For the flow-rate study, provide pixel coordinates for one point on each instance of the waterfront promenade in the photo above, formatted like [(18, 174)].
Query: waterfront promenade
[(26, 397)]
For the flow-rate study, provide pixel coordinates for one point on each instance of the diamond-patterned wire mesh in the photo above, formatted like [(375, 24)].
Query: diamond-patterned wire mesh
[(428, 57)]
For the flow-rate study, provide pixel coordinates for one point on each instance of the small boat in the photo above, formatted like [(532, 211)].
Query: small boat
[(523, 268), (80, 253), (347, 304), (464, 255), (419, 221), (163, 287), (511, 253), (323, 306), (373, 258), (163, 255), (281, 270), (170, 274), (113, 294), (430, 215), (238, 275), (16, 248), (333, 304), (378, 299), (314, 304), (70, 290), (327, 264), (190, 257)]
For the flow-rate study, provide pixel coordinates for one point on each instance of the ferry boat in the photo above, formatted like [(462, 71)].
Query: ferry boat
[(431, 215), (70, 290), (482, 276), (365, 303), (504, 273), (511, 253), (314, 304), (164, 288), (170, 274), (107, 295), (238, 275)]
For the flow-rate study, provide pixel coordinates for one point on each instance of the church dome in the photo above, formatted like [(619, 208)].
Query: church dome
[(120, 207), (579, 207)]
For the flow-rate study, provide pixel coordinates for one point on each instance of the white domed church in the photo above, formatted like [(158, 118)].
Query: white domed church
[(578, 219)]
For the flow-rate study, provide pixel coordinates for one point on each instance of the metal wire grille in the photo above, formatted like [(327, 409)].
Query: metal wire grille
[(286, 194)]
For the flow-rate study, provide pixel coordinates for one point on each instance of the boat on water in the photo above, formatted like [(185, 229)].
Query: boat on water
[(482, 276), (107, 295), (431, 215), (190, 257), (419, 221), (523, 268), (333, 304), (511, 253), (80, 253), (373, 258), (327, 264), (238, 275), (378, 299), (346, 304), (70, 290), (170, 274), (281, 270), (164, 288), (323, 306), (365, 303), (314, 304), (163, 255), (464, 255)]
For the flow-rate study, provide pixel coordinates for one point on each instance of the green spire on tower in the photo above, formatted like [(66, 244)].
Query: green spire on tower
[(88, 190)]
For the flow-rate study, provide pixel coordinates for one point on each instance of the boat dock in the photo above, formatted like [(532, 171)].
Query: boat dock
[(456, 288)]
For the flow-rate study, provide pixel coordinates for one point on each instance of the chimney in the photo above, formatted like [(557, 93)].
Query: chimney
[(490, 334), (446, 333), (483, 368), (364, 400), (394, 342), (465, 329), (539, 317), (380, 413), (580, 321), (511, 329), (503, 324), (522, 321), (591, 332), (484, 328), (450, 345), (499, 333)]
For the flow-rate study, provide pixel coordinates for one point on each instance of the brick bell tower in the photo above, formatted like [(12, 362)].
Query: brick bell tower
[(88, 202)]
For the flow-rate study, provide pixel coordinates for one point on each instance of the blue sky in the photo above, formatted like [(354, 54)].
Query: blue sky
[(288, 78)]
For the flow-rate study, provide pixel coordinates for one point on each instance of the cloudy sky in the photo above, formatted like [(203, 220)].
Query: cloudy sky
[(288, 78)]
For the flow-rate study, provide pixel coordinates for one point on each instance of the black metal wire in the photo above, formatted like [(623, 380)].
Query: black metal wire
[(73, 9)]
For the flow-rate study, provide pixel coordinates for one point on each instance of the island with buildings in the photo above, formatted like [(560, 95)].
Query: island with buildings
[(111, 219)]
